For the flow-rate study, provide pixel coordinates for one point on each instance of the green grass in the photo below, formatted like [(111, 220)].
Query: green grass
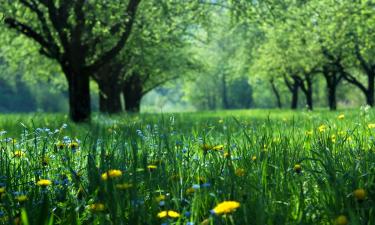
[(255, 167)]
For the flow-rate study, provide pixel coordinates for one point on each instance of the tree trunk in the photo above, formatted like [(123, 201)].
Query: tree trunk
[(294, 91), (224, 92), (331, 82), (109, 97), (276, 93), (133, 93), (370, 90), (79, 97), (309, 94)]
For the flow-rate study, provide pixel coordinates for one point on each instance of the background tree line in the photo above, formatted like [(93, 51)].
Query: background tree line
[(201, 55)]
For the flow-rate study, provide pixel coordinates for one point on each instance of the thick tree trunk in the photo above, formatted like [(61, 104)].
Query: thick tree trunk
[(79, 97), (276, 93), (109, 97), (294, 103), (331, 81), (370, 90), (133, 93)]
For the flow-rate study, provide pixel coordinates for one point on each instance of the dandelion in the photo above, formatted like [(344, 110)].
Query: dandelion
[(333, 138), (73, 145), (190, 190), (60, 145), (43, 182), (240, 172), (152, 167), (111, 174), (21, 198), (371, 125), (169, 214), (18, 154), (341, 220), (341, 117), (322, 128), (226, 154), (2, 190), (226, 207), (359, 194), (124, 186), (160, 198), (297, 168), (254, 158), (96, 207), (218, 147)]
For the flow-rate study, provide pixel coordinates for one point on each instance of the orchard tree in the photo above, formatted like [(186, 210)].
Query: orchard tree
[(79, 35)]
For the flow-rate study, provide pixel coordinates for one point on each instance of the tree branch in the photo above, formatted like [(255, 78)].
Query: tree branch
[(107, 56)]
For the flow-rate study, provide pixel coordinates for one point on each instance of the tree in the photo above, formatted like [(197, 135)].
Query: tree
[(70, 32)]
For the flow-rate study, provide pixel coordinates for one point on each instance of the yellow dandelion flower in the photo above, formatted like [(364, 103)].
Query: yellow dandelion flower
[(226, 154), (152, 167), (333, 138), (254, 158), (297, 168), (160, 198), (19, 154), (60, 145), (226, 207), (341, 117), (341, 220), (371, 125), (322, 128), (359, 194), (111, 174), (169, 214), (96, 207), (218, 147), (21, 198), (124, 186), (73, 145), (43, 182), (190, 190), (240, 172), (2, 190)]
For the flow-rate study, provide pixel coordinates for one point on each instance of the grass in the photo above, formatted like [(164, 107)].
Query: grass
[(282, 167)]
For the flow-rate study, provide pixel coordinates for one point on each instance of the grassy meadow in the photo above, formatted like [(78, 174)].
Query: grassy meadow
[(233, 167)]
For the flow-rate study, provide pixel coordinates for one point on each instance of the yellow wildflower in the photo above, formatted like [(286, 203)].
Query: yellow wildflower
[(2, 190), (218, 147), (226, 207), (111, 174), (169, 213), (160, 198), (124, 186), (333, 138), (19, 154), (341, 220), (43, 182), (240, 172), (341, 116), (371, 125), (97, 207), (60, 145), (322, 128), (190, 190), (21, 198), (359, 194), (152, 167), (73, 145), (309, 132), (254, 158), (297, 168), (226, 154)]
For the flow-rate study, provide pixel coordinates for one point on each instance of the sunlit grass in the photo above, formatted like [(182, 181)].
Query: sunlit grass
[(263, 166)]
